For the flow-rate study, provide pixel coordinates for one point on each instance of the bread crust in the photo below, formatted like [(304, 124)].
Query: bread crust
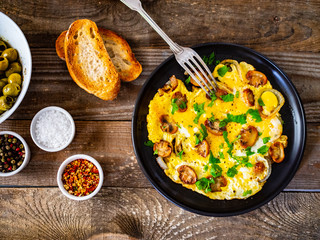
[(88, 61), (119, 51), (60, 45)]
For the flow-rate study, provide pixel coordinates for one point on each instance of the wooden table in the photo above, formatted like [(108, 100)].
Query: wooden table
[(128, 207)]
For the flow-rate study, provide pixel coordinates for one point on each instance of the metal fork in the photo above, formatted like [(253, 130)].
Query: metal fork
[(191, 62)]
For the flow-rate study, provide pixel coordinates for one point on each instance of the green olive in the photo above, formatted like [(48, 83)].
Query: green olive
[(14, 67), (10, 53), (4, 80), (11, 89), (15, 78), (4, 63), (6, 103), (2, 84), (3, 46)]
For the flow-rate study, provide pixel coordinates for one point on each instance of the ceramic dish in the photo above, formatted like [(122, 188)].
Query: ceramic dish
[(33, 129), (63, 166), (292, 113), (12, 34), (26, 158)]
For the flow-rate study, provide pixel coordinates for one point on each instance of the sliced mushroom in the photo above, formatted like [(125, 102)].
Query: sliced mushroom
[(177, 145), (171, 85), (262, 169), (203, 148), (256, 78), (248, 97), (194, 83), (220, 92), (181, 101), (248, 137), (214, 128), (163, 148), (284, 140), (187, 175), (276, 151), (219, 182), (236, 64), (167, 125)]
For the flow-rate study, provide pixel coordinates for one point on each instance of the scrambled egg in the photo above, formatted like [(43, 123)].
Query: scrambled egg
[(229, 168)]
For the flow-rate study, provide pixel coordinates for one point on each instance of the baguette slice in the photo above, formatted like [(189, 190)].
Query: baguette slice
[(119, 51), (88, 61)]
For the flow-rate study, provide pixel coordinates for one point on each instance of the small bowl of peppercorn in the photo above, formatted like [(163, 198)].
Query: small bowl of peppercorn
[(80, 177), (14, 153)]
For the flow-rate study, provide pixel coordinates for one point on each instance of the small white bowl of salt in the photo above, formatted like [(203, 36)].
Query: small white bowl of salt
[(52, 129)]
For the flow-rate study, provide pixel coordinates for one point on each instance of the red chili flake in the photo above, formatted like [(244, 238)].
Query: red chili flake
[(17, 149), (80, 177)]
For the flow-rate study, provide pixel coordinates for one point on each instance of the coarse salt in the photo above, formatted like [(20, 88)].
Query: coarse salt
[(53, 129)]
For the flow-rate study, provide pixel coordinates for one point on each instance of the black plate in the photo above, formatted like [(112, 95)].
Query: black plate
[(294, 127)]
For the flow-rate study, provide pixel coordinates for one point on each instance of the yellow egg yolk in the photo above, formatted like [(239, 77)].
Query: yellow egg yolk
[(270, 100)]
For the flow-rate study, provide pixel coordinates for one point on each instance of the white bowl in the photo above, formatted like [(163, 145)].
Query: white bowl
[(63, 166), (26, 158), (33, 128), (12, 34)]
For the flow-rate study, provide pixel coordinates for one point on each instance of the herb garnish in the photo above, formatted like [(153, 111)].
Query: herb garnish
[(213, 98), (188, 80), (249, 152), (204, 184), (266, 139), (247, 192), (237, 94), (223, 70), (199, 109), (261, 103), (232, 171), (227, 98), (180, 154), (155, 152), (174, 106), (148, 143), (233, 118), (263, 150), (255, 115)]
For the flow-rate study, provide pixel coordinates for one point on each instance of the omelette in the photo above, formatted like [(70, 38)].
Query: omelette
[(223, 145)]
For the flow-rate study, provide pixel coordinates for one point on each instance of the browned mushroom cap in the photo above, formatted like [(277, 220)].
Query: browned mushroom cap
[(259, 168), (194, 83), (177, 145), (213, 127), (181, 101), (256, 78), (219, 182), (203, 148), (248, 137), (167, 125), (248, 97), (276, 151), (171, 85), (220, 92), (187, 175), (162, 148)]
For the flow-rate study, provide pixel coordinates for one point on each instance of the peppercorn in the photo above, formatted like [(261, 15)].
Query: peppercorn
[(12, 153)]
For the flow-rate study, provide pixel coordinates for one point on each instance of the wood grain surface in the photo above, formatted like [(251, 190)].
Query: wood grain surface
[(144, 214), (127, 207)]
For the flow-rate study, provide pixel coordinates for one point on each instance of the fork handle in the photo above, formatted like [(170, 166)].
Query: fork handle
[(136, 6)]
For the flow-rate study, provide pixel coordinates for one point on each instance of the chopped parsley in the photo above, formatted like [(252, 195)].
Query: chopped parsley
[(237, 94), (263, 150), (242, 119), (223, 70), (180, 154), (247, 192), (212, 159), (148, 143), (261, 103), (211, 119), (266, 139), (188, 80), (225, 136), (218, 62), (203, 131), (178, 125), (249, 152), (213, 98), (259, 133), (227, 98), (155, 152), (174, 106), (244, 161), (255, 115), (206, 167), (205, 59), (221, 155), (232, 171), (209, 60), (183, 105), (199, 109), (190, 126), (204, 184), (216, 170), (197, 135)]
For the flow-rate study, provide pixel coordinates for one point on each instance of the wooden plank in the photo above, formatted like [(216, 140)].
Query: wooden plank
[(263, 25), (51, 81), (110, 144), (145, 214)]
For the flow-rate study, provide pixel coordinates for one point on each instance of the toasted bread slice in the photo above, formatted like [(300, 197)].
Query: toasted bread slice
[(119, 51), (88, 61), (121, 55), (60, 45)]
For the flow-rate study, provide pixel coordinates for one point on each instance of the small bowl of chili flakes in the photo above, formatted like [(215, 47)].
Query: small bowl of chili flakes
[(80, 177)]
